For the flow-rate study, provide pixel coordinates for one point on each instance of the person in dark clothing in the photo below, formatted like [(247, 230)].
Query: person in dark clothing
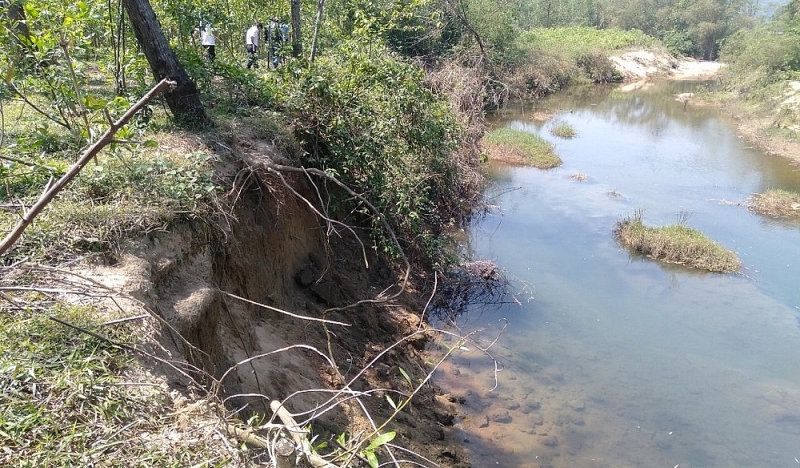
[(277, 34)]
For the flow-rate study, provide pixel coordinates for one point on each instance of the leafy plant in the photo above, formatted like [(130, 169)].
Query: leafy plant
[(562, 129), (365, 117)]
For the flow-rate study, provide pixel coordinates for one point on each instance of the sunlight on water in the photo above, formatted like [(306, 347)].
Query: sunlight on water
[(617, 361)]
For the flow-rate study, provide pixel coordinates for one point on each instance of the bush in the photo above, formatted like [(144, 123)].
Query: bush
[(574, 42), (364, 116), (766, 52), (552, 58)]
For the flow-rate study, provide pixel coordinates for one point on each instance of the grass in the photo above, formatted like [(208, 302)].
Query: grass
[(575, 41), (776, 203), (68, 398), (517, 146), (676, 243), (579, 176), (131, 189), (563, 130)]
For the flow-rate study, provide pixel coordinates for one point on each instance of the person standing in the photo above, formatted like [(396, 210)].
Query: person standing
[(251, 44), (278, 35), (209, 42)]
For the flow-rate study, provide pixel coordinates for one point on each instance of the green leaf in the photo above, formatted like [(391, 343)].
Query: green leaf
[(405, 375), (372, 459), (93, 103), (380, 440), (389, 399)]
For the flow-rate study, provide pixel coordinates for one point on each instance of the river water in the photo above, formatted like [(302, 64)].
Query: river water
[(611, 360)]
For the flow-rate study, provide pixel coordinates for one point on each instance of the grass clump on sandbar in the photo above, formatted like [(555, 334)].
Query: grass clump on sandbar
[(563, 130), (675, 243), (520, 147), (776, 203)]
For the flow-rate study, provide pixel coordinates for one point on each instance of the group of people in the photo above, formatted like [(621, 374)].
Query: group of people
[(276, 35)]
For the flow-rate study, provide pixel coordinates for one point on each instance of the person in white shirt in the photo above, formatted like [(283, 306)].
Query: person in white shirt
[(208, 41), (251, 43)]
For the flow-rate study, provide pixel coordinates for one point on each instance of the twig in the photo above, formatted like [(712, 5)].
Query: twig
[(218, 383), (125, 319), (427, 304), (303, 317), (300, 441)]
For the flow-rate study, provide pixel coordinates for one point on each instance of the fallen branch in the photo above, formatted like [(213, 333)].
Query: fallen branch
[(50, 193), (300, 440)]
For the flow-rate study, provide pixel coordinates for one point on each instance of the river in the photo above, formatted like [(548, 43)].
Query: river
[(603, 359)]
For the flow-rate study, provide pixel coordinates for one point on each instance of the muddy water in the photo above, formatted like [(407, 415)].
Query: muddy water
[(610, 360)]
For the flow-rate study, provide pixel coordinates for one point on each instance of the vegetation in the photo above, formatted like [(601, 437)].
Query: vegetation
[(776, 203), (517, 146), (547, 60), (354, 100), (562, 130), (763, 68), (676, 243), (366, 118), (359, 112), (70, 398)]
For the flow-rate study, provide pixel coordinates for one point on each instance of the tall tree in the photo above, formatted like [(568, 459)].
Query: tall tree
[(184, 100), (297, 38)]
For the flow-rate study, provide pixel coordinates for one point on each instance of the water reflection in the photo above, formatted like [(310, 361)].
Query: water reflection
[(613, 360)]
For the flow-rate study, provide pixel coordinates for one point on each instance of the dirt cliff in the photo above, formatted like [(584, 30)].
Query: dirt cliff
[(244, 297)]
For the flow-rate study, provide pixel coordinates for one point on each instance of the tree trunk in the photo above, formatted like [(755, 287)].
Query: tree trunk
[(297, 38), (317, 23), (184, 99)]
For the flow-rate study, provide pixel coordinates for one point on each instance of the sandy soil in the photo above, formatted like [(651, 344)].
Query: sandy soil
[(641, 65)]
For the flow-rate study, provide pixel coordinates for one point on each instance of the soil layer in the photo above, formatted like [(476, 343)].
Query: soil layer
[(245, 291)]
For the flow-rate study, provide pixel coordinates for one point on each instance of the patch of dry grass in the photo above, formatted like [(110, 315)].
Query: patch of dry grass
[(776, 203), (579, 176), (676, 243)]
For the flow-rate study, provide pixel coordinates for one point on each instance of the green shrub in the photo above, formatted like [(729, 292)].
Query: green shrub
[(562, 129), (766, 50), (577, 41), (364, 116), (552, 58)]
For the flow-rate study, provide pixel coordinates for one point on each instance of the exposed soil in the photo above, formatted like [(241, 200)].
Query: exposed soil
[(272, 249)]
